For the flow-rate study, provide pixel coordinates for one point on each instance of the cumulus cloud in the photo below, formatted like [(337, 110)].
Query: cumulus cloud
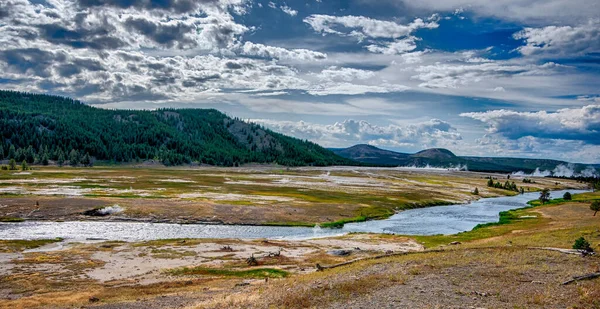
[(395, 47), (561, 40), (539, 12), (430, 133), (363, 28), (580, 124), (288, 10), (261, 50)]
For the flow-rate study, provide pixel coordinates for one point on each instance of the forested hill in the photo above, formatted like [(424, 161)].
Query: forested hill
[(41, 128)]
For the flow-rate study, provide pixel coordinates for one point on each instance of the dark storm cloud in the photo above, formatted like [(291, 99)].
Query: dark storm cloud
[(166, 35), (4, 12), (233, 65), (98, 38), (176, 6), (40, 62), (31, 60), (195, 81)]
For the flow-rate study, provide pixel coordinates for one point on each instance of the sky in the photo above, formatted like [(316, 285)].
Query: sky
[(483, 77)]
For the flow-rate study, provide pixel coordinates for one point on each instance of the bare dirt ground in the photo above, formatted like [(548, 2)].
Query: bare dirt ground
[(40, 277)]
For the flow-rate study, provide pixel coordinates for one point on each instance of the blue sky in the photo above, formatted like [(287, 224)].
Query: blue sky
[(499, 78)]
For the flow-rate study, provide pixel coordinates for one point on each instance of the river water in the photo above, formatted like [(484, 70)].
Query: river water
[(423, 221)]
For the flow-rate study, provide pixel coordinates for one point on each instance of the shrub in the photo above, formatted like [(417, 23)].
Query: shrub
[(595, 206), (567, 196), (582, 244), (12, 165)]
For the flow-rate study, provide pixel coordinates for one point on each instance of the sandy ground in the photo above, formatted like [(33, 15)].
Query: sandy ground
[(115, 264)]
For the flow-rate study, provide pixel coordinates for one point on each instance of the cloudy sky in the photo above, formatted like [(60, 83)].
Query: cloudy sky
[(479, 77)]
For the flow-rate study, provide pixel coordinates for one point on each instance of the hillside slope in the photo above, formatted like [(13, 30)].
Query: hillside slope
[(38, 128), (444, 158)]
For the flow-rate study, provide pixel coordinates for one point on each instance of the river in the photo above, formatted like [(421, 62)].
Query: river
[(423, 221)]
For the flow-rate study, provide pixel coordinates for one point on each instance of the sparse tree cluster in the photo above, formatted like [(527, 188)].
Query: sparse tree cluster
[(512, 186)]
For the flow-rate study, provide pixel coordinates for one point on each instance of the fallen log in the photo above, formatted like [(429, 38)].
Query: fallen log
[(561, 250), (584, 277), (322, 267)]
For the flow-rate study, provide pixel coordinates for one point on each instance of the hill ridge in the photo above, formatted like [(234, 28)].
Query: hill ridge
[(40, 128), (441, 157)]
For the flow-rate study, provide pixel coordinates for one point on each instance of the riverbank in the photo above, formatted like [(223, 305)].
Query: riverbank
[(437, 220), (495, 267), (247, 196)]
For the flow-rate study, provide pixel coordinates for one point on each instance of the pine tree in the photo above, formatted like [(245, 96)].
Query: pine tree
[(45, 159), (12, 153), (61, 158), (86, 161), (24, 166), (73, 157), (12, 165)]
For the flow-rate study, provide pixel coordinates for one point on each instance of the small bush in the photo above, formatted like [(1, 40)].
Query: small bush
[(582, 244), (595, 206), (567, 196)]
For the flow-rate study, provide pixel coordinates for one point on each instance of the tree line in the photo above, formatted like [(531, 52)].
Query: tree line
[(40, 129)]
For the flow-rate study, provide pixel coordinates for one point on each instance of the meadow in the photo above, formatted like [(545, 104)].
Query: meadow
[(519, 262), (263, 195)]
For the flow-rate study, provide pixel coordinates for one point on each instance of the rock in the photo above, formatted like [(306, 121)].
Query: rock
[(454, 243), (339, 252), (242, 284), (93, 299)]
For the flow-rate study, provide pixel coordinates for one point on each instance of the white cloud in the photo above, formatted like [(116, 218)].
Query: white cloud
[(396, 47), (581, 124), (288, 10), (527, 11), (561, 40), (430, 133), (364, 27), (453, 75), (260, 50)]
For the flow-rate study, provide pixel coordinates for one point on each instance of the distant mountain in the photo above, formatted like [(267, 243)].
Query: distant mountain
[(439, 157), (371, 154), (42, 128)]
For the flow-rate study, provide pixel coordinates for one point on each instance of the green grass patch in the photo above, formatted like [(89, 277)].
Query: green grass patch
[(259, 273), (171, 254), (381, 212), (20, 245), (11, 219), (506, 217), (340, 223), (290, 223), (515, 219)]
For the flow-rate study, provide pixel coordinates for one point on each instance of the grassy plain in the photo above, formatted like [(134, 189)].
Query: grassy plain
[(251, 195), (493, 266)]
